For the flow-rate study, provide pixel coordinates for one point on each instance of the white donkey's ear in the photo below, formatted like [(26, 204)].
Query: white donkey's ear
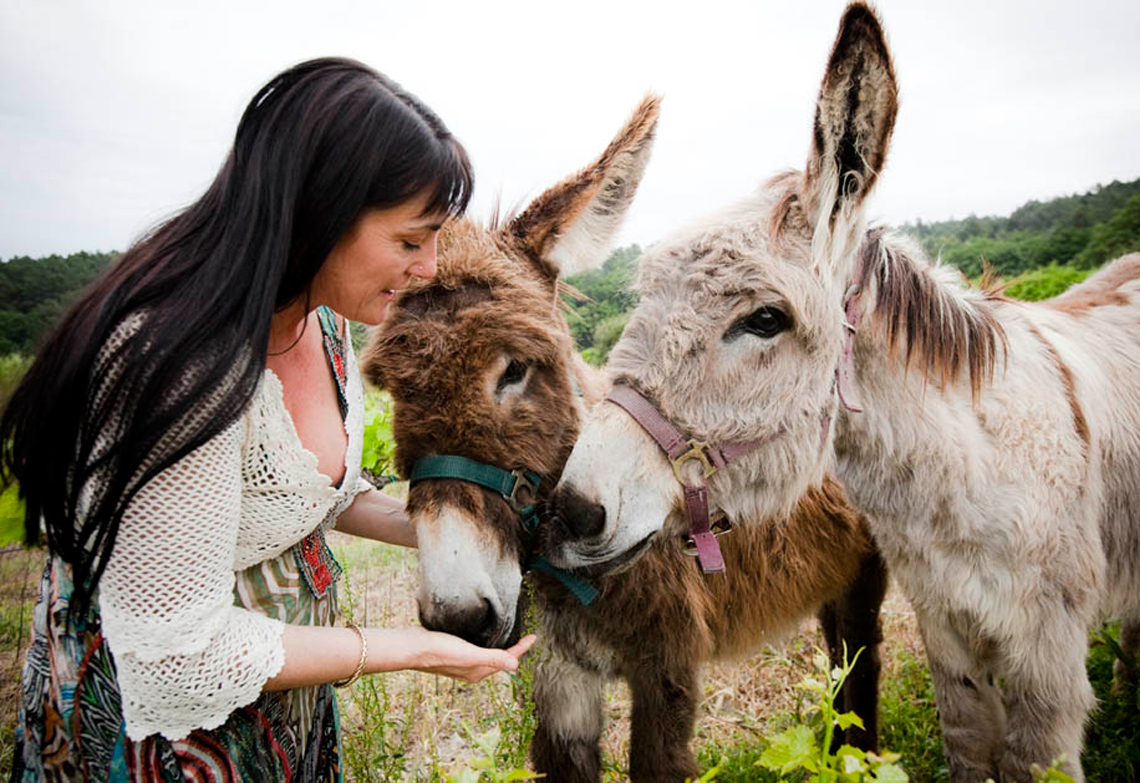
[(571, 227), (854, 118)]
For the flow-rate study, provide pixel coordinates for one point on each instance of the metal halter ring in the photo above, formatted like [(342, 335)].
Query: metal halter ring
[(697, 451), (522, 481)]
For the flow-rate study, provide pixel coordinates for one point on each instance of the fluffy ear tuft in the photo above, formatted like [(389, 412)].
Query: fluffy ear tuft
[(854, 118), (572, 225)]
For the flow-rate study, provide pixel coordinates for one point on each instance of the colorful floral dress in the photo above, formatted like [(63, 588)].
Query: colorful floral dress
[(71, 723)]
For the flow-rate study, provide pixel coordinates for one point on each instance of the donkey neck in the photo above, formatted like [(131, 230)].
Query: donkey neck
[(926, 346)]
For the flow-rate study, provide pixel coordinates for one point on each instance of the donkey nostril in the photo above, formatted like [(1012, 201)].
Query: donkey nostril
[(579, 517), (593, 520)]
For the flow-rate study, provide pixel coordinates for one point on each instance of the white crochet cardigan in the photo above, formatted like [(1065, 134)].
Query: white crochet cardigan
[(186, 655)]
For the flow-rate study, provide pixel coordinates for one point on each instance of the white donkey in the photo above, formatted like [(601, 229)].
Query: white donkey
[(994, 445)]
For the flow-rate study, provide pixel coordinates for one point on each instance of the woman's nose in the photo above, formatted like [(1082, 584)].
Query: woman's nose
[(425, 266)]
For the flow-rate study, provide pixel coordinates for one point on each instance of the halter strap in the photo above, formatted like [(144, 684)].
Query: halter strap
[(680, 450), (845, 369), (519, 487), (509, 484)]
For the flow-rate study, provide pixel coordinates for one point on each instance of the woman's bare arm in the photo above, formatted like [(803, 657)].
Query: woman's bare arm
[(315, 655), (379, 517)]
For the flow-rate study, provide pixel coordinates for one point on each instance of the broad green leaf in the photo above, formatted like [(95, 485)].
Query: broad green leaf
[(850, 764), (788, 749), (848, 719), (890, 773)]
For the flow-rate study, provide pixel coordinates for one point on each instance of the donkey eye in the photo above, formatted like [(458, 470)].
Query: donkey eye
[(514, 373), (764, 322)]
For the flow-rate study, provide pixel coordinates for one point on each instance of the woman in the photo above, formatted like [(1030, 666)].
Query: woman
[(192, 428)]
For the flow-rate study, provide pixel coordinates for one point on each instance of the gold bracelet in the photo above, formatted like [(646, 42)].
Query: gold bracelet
[(363, 659)]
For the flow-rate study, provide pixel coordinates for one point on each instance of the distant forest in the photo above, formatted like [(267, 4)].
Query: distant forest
[(35, 292), (1041, 249), (1043, 246)]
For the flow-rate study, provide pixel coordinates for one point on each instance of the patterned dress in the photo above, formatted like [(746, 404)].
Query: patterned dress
[(71, 721)]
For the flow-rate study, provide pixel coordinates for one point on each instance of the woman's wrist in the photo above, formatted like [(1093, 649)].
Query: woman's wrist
[(361, 664)]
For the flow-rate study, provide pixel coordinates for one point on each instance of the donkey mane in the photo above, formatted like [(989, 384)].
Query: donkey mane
[(945, 330)]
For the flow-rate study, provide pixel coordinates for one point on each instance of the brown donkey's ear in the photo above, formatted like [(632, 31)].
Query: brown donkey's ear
[(854, 118), (571, 226)]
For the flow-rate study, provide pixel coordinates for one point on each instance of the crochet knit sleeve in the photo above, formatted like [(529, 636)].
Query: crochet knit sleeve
[(186, 656)]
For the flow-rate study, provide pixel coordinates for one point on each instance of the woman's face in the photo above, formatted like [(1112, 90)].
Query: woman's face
[(375, 258)]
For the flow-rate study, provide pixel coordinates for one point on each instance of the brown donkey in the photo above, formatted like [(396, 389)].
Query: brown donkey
[(480, 365)]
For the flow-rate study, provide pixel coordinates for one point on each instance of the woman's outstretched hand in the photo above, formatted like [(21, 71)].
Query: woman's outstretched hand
[(452, 657)]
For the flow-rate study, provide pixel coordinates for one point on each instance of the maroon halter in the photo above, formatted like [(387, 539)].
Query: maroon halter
[(680, 450)]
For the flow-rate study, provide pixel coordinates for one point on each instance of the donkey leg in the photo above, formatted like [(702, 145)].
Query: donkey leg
[(568, 706), (853, 620), (664, 712), (1047, 697), (1126, 674), (970, 706)]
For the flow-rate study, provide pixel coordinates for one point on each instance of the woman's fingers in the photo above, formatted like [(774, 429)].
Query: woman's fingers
[(520, 648)]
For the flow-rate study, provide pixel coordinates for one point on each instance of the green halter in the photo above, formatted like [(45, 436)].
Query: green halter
[(518, 487)]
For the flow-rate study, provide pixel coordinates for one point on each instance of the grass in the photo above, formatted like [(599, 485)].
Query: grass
[(1112, 740), (417, 727)]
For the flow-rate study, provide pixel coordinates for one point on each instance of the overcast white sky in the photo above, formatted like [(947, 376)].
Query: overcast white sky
[(115, 113)]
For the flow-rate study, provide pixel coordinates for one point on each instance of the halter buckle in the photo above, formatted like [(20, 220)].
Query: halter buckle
[(719, 525), (522, 481), (697, 451)]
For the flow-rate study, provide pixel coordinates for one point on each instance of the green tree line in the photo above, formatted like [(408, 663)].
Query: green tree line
[(35, 292), (1082, 231)]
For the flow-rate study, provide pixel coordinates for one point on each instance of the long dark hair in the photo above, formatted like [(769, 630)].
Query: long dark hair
[(166, 349)]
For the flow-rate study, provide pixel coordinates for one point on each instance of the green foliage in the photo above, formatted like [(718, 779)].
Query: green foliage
[(379, 448), (11, 516), (737, 764), (487, 767), (606, 335), (1045, 282), (908, 717), (12, 369), (376, 751), (1051, 774), (1112, 752), (796, 749), (1120, 235), (1085, 230), (35, 292), (609, 293)]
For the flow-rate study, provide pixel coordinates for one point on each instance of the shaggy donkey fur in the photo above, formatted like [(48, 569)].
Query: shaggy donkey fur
[(992, 444), (480, 363)]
